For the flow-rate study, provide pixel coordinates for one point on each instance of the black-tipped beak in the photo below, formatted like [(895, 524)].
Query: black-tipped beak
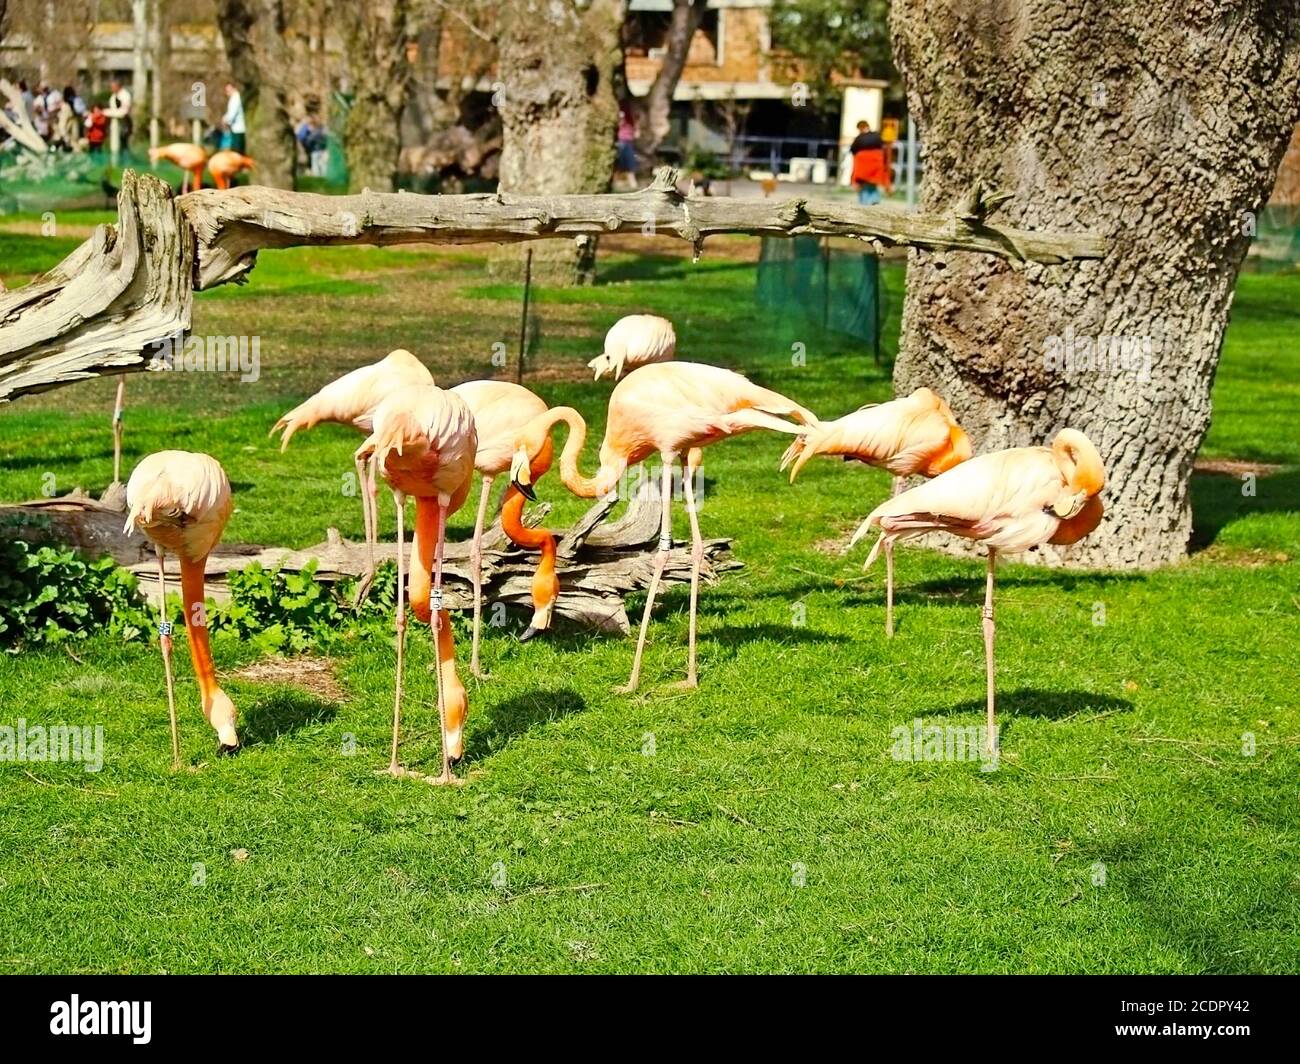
[(526, 490), (529, 633), (228, 751), (452, 762)]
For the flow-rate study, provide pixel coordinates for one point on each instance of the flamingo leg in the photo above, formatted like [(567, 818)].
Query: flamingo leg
[(165, 645), (369, 518), (693, 461), (889, 589), (476, 573), (393, 767), (438, 618), (661, 560), (117, 429), (989, 630)]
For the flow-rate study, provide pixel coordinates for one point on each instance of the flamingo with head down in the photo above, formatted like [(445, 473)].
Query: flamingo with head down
[(915, 434), (673, 409)]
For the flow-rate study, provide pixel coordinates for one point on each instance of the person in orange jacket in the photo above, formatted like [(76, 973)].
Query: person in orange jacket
[(871, 170)]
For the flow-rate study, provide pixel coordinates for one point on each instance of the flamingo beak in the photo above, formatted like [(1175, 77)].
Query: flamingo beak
[(521, 476), (600, 364)]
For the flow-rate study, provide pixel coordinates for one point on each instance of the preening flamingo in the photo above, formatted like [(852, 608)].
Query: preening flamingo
[(189, 157), (915, 434), (499, 409), (1012, 500), (633, 341), (423, 444), (224, 165), (352, 400), (674, 408), (181, 502)]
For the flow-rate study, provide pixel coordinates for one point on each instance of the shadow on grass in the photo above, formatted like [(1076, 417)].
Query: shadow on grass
[(502, 721), (1040, 702), (1217, 501), (283, 711)]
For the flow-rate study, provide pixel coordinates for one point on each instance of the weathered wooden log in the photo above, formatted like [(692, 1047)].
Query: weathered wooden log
[(105, 306), (129, 286), (598, 564)]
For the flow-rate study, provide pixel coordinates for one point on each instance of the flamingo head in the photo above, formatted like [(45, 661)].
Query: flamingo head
[(221, 714), (521, 476), (606, 363)]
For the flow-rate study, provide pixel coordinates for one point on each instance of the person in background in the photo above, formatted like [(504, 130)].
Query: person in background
[(96, 129), (315, 145), (625, 159), (119, 107), (73, 97), (871, 172), (28, 99), (233, 119)]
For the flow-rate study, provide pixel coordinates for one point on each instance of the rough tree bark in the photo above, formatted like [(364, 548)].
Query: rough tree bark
[(559, 112), (374, 36), (103, 308), (1160, 127), (654, 109), (254, 36)]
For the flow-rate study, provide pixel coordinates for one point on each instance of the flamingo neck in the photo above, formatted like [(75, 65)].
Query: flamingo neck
[(196, 626), (582, 486)]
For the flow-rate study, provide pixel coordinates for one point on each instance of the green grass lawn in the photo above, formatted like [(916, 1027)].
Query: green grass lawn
[(769, 828)]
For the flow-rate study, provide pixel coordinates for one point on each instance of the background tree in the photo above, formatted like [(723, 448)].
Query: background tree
[(1161, 127), (654, 109), (559, 108), (254, 32), (374, 40), (818, 40)]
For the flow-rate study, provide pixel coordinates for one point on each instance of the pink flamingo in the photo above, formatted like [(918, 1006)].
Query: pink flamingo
[(675, 409), (633, 341), (352, 400), (423, 444), (224, 165), (1012, 500), (915, 434), (189, 157), (181, 502), (499, 409)]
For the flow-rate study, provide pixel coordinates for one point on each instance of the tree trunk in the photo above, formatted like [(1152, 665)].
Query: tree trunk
[(657, 105), (1160, 127), (374, 36), (254, 35), (559, 113), (425, 107)]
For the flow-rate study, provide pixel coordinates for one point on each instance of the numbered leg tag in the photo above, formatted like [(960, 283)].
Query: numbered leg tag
[(435, 600), (117, 416), (164, 629), (665, 543)]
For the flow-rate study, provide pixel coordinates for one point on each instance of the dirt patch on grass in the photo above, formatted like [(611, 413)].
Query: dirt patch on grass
[(1234, 467), (314, 675)]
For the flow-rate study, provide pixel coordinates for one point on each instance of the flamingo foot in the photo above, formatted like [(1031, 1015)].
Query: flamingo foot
[(363, 589), (688, 684)]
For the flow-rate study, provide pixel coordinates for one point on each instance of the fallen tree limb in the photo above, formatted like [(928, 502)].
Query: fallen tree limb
[(130, 286), (598, 564)]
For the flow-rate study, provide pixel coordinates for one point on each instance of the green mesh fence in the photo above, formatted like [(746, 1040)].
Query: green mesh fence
[(1276, 247), (57, 181), (804, 281)]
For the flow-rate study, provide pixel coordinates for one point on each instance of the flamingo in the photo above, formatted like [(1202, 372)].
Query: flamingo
[(915, 434), (673, 408), (499, 409), (189, 157), (423, 444), (352, 400), (1012, 500), (635, 340), (224, 165), (181, 501)]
